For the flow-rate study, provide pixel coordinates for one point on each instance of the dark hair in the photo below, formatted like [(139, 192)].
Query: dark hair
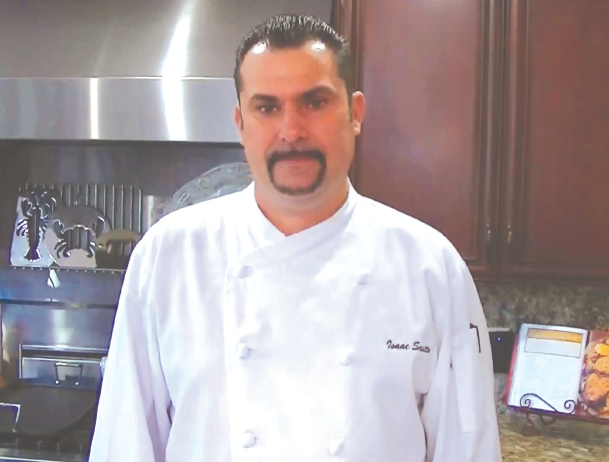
[(292, 31)]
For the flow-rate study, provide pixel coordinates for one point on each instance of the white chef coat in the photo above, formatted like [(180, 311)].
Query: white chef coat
[(348, 341)]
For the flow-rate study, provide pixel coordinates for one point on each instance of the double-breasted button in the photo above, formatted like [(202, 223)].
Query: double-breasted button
[(335, 447), (362, 279), (243, 350), (347, 358), (248, 439)]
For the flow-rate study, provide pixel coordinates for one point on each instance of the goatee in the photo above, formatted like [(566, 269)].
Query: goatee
[(293, 154)]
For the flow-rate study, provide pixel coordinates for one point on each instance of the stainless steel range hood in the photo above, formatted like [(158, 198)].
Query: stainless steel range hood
[(145, 70)]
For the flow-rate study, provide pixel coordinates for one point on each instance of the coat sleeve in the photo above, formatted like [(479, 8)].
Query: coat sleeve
[(459, 413), (133, 420)]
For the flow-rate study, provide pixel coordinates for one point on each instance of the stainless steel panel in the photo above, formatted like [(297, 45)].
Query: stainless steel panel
[(137, 109), (86, 328), (61, 363), (72, 288), (47, 369), (134, 38), (21, 455)]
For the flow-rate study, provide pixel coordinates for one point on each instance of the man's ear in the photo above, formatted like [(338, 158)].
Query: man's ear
[(358, 108), (238, 119)]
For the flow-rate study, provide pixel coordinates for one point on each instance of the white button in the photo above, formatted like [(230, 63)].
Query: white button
[(243, 350), (244, 272), (335, 447), (362, 279), (347, 358), (248, 439)]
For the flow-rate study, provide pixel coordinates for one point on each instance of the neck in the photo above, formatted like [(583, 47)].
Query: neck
[(290, 215)]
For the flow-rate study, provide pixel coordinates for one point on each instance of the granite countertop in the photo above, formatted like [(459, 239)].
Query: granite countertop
[(564, 440)]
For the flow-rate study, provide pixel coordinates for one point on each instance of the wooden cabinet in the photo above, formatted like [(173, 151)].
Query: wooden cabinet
[(430, 73), (489, 120), (556, 170)]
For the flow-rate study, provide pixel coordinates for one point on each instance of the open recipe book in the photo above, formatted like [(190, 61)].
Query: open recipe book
[(561, 369)]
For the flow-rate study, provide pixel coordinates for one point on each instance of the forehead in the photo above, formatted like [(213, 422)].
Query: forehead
[(272, 71)]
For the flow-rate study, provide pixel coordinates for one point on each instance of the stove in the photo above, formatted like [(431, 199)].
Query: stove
[(75, 446)]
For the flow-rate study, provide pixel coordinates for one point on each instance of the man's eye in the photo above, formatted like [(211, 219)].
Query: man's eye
[(317, 103), (267, 108)]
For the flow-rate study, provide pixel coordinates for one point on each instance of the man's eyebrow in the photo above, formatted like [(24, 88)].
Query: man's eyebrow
[(262, 98), (312, 93), (319, 90)]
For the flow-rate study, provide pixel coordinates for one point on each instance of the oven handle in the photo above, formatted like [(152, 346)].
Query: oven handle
[(14, 406), (59, 364)]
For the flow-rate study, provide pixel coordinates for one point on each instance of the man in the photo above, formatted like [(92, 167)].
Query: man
[(297, 320)]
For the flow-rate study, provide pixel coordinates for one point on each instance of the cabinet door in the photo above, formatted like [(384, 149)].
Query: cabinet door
[(431, 74), (555, 216)]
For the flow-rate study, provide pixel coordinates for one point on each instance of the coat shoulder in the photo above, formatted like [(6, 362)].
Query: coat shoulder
[(195, 223), (197, 217), (394, 225)]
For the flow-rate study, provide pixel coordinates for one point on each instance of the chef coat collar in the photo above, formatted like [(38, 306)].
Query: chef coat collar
[(264, 231)]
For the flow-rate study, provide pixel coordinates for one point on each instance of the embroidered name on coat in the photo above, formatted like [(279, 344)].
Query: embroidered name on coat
[(416, 346)]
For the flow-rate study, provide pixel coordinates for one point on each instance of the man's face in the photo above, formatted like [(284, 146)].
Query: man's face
[(294, 120)]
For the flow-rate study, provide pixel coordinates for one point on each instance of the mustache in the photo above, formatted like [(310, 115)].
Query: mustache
[(277, 156)]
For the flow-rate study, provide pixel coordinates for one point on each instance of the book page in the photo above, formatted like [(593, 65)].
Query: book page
[(548, 364), (594, 385)]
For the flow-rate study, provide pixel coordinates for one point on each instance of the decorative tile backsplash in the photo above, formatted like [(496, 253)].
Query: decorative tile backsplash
[(510, 305)]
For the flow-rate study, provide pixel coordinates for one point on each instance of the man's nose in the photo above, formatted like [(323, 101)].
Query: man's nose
[(294, 127)]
